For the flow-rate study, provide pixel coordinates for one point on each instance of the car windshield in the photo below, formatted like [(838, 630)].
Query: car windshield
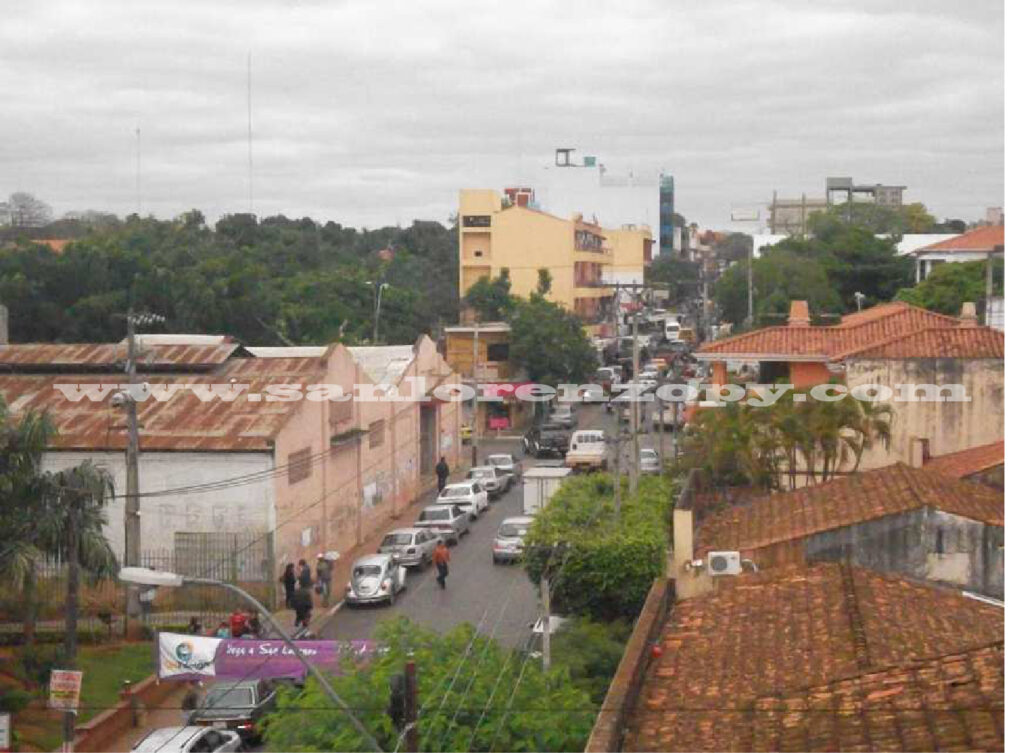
[(455, 491), (512, 530), (499, 460), (228, 697), (481, 473), (364, 571), (648, 454), (551, 428), (434, 515), (397, 539)]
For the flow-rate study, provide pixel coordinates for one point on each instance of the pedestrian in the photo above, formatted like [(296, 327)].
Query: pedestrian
[(305, 577), (324, 573), (442, 474), (238, 622), (303, 605), (223, 630), (442, 559), (189, 703), (288, 581), (254, 626), (195, 627)]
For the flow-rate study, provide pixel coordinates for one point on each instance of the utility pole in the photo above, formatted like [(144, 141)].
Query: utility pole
[(476, 386), (132, 520), (616, 465), (634, 414), (988, 289), (412, 738), (545, 598)]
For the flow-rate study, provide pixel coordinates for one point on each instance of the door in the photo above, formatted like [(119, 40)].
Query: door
[(428, 439)]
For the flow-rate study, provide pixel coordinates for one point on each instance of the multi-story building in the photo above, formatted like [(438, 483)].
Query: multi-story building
[(511, 233), (615, 200)]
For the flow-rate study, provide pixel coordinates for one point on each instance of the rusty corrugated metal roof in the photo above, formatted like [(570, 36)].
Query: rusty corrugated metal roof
[(111, 357)]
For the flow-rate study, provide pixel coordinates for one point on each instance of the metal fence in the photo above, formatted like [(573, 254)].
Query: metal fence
[(244, 559)]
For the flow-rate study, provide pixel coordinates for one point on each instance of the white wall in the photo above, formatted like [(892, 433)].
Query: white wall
[(237, 509)]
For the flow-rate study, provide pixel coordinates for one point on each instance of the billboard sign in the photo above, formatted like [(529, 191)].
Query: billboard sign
[(65, 688), (192, 657)]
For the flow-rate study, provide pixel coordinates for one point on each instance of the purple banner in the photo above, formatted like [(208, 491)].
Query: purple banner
[(191, 657)]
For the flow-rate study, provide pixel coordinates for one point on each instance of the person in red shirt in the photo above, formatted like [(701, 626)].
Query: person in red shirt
[(442, 558), (238, 622)]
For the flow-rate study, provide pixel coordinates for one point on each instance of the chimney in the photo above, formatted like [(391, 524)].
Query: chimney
[(799, 314), (919, 452), (4, 334), (968, 315)]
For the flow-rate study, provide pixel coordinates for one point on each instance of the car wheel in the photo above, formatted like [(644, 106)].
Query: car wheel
[(391, 599), (424, 561)]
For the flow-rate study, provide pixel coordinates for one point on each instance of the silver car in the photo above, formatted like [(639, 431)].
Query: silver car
[(375, 578), (447, 521), (188, 739), (494, 483), (508, 544), (507, 466), (650, 461), (413, 547)]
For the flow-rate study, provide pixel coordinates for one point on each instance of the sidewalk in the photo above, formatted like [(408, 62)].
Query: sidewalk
[(167, 715)]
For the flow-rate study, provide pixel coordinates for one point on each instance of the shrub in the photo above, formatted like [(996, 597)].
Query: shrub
[(14, 700), (590, 651), (37, 661), (601, 566)]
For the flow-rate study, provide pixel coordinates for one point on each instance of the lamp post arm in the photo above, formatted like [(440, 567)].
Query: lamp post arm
[(311, 668)]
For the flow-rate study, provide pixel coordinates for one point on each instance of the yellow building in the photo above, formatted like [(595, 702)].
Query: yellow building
[(499, 233)]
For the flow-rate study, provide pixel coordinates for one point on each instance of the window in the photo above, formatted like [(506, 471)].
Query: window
[(377, 433), (341, 411), (497, 352), (300, 465), (940, 541), (476, 220)]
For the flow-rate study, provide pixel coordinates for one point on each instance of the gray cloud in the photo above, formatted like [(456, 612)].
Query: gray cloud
[(376, 112)]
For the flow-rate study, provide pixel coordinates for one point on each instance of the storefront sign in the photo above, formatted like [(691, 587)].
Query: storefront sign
[(190, 657), (65, 687)]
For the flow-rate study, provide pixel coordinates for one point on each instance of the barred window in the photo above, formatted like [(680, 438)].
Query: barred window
[(300, 465), (377, 433)]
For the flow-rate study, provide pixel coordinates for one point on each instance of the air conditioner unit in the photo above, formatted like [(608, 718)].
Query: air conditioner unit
[(724, 563)]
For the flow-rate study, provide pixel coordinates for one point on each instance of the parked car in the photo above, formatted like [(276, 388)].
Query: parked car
[(412, 547), (508, 544), (546, 439), (487, 476), (506, 465), (375, 578), (191, 739), (650, 461), (236, 706), (564, 416), (447, 521), (467, 494)]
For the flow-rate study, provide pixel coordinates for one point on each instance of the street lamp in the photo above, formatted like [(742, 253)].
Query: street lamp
[(376, 308), (145, 576)]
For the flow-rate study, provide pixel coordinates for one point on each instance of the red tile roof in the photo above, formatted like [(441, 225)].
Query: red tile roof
[(856, 498), (935, 342), (855, 333), (782, 631), (952, 702), (987, 238), (968, 462)]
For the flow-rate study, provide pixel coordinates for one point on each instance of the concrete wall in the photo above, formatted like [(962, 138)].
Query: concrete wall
[(949, 426), (235, 509)]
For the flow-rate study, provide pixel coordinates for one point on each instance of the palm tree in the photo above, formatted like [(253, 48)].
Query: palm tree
[(22, 444), (75, 502)]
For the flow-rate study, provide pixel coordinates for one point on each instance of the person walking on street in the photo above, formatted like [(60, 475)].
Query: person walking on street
[(305, 577), (442, 474), (442, 559), (302, 602), (324, 571), (189, 703), (288, 581)]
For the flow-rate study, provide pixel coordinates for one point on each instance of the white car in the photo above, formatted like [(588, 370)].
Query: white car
[(412, 547), (508, 544), (650, 461), (493, 482), (189, 739), (375, 578), (507, 465), (468, 494)]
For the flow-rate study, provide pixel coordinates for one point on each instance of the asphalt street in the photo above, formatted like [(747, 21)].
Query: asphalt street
[(499, 598)]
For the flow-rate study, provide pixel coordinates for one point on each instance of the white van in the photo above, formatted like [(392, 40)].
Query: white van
[(587, 450), (671, 330)]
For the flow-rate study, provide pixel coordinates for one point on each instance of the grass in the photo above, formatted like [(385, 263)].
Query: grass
[(105, 668)]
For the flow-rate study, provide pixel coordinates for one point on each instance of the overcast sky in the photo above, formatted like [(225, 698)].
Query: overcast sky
[(377, 112)]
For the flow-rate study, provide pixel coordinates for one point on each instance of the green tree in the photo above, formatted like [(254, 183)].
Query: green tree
[(780, 276), (735, 247), (950, 285), (491, 299), (602, 565), (473, 693), (680, 275), (543, 281), (549, 343), (875, 218)]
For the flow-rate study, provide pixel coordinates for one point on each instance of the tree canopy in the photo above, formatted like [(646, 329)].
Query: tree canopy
[(949, 285), (549, 342), (266, 282)]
